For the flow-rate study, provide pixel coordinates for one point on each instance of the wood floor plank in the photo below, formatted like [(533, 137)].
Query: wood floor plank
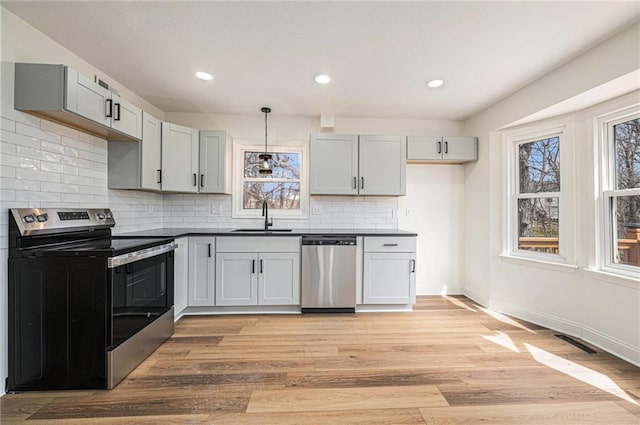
[(313, 400), (528, 414), (455, 361), (350, 417)]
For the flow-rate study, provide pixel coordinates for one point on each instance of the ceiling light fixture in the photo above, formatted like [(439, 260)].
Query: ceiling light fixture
[(265, 157), (435, 83), (322, 79), (204, 75)]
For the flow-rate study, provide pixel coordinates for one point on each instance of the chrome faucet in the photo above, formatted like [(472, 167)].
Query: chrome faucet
[(265, 213)]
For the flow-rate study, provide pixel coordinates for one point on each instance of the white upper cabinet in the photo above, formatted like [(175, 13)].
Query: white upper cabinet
[(383, 167), (151, 162), (333, 164), (126, 117), (352, 165), (442, 149), (59, 93), (215, 162), (179, 158)]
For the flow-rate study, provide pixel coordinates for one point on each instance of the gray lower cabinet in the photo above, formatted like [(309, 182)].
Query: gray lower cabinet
[(202, 271), (389, 270), (254, 271), (181, 275)]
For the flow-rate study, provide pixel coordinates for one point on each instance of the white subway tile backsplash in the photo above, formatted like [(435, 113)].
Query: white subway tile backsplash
[(19, 117), (37, 197), (7, 125), (62, 130), (19, 139), (37, 133), (27, 174)]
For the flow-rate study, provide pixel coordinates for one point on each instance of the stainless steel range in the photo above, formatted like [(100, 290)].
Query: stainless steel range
[(85, 308)]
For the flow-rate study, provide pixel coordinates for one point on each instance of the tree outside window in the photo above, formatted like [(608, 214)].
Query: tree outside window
[(624, 199), (281, 189), (538, 197)]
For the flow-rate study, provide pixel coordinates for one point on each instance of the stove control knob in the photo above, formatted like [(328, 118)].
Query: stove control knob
[(42, 218), (29, 218), (109, 215), (101, 216)]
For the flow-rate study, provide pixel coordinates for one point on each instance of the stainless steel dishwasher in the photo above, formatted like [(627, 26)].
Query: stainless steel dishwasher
[(328, 274)]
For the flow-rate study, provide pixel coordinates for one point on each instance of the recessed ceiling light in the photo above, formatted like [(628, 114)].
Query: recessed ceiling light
[(435, 83), (204, 75), (322, 79)]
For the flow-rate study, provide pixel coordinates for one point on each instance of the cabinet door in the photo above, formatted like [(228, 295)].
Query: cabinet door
[(460, 148), (424, 148), (201, 271), (213, 162), (86, 98), (388, 278), (236, 278), (181, 275), (333, 164), (179, 158), (279, 279), (126, 117), (383, 165), (151, 158)]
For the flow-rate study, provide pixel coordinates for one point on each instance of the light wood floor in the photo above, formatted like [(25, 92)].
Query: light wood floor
[(447, 362)]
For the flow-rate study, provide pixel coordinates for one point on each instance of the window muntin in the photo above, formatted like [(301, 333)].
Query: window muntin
[(537, 201), (621, 195)]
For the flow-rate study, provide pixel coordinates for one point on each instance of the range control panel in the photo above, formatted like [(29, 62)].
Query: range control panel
[(55, 220)]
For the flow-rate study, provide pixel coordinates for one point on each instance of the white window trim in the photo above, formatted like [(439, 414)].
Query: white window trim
[(603, 128), (239, 146), (511, 139)]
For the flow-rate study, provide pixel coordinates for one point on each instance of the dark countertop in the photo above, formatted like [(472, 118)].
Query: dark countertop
[(180, 232)]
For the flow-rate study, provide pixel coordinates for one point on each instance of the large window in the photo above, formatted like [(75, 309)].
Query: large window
[(621, 193), (283, 190), (536, 204)]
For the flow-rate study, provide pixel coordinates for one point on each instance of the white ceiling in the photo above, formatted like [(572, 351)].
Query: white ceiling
[(379, 54)]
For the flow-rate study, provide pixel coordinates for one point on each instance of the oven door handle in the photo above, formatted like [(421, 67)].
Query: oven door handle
[(131, 257)]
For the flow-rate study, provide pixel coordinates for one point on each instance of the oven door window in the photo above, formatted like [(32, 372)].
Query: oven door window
[(140, 295)]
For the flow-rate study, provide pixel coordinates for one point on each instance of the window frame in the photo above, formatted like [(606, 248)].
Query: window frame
[(239, 148), (512, 140), (607, 192)]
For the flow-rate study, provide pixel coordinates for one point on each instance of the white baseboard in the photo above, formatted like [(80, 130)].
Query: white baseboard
[(475, 297), (607, 343), (438, 289)]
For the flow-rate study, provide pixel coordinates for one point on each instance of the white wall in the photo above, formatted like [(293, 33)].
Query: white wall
[(605, 311)]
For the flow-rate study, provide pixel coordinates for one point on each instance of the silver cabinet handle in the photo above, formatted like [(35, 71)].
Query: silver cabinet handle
[(390, 244)]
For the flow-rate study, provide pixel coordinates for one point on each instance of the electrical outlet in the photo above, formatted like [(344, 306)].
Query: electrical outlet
[(215, 209), (151, 208), (316, 211), (408, 212)]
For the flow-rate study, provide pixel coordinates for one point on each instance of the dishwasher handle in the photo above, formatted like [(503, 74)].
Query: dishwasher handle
[(329, 240)]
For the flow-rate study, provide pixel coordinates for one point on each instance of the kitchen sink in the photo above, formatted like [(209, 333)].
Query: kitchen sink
[(261, 230)]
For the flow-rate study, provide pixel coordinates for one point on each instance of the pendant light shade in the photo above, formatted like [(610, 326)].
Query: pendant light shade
[(265, 167)]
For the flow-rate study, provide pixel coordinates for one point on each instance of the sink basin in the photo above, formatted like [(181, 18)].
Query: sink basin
[(261, 230)]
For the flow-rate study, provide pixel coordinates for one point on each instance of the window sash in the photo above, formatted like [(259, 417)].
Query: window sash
[(515, 142)]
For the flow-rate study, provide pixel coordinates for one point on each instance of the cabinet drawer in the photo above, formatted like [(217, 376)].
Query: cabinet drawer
[(257, 244), (390, 244)]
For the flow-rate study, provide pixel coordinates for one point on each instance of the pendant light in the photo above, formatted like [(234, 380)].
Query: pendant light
[(265, 167)]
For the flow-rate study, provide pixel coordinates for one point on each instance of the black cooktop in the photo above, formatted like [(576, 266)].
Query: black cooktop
[(107, 247)]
